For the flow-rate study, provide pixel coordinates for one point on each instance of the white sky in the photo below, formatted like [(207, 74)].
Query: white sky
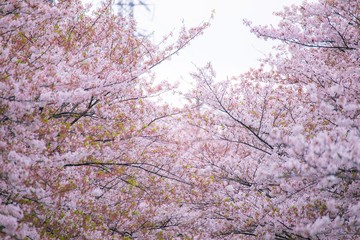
[(227, 44)]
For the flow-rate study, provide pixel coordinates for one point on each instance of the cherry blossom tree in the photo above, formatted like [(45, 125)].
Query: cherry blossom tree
[(277, 148), (86, 152)]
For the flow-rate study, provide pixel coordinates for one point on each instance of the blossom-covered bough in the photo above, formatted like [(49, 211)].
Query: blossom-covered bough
[(87, 152), (280, 145), (84, 153)]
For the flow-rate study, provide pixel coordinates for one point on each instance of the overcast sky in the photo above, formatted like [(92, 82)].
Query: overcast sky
[(228, 44)]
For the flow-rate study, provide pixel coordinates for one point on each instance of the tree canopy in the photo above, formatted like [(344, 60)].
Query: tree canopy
[(87, 151)]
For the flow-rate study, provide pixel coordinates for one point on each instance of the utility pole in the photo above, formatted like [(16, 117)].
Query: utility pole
[(126, 7)]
